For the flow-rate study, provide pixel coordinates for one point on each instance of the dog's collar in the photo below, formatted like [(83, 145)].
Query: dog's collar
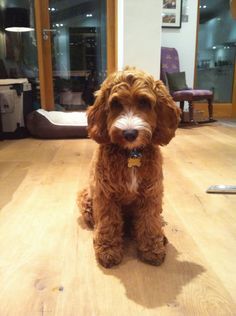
[(134, 158), (135, 153)]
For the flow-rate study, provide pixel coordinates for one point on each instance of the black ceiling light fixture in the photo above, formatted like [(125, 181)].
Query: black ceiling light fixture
[(17, 20)]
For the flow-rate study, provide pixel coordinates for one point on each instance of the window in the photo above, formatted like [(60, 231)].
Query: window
[(216, 49)]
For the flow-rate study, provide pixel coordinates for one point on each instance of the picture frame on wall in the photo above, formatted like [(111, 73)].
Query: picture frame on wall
[(171, 13)]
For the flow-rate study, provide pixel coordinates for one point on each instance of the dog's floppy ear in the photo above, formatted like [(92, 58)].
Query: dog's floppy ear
[(168, 115), (97, 118)]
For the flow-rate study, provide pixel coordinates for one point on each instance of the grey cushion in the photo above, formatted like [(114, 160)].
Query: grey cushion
[(176, 81)]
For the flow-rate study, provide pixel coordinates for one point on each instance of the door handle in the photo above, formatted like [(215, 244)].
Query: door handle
[(45, 31)]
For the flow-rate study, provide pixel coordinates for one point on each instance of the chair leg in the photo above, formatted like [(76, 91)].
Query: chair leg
[(182, 109), (210, 109), (191, 111)]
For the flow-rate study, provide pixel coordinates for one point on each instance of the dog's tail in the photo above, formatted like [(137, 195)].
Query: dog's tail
[(84, 202)]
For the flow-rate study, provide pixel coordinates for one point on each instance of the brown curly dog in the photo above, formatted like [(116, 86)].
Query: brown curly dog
[(131, 116)]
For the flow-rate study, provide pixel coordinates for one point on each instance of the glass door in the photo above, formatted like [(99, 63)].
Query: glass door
[(216, 50), (79, 61), (75, 46)]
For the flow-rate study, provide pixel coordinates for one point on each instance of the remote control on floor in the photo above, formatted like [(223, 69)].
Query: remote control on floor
[(222, 188)]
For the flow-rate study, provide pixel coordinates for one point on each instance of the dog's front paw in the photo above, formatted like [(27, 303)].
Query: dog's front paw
[(109, 256), (154, 254), (151, 257)]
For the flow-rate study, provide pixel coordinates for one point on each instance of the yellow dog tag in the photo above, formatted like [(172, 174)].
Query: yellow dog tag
[(134, 162)]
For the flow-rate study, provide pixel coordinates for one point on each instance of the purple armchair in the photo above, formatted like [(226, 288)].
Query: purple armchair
[(170, 64)]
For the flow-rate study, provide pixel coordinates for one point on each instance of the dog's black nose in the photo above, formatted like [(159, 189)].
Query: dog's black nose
[(130, 134)]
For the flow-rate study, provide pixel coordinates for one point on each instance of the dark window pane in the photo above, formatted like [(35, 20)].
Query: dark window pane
[(78, 50)]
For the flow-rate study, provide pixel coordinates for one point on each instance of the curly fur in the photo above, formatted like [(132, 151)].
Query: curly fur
[(129, 99)]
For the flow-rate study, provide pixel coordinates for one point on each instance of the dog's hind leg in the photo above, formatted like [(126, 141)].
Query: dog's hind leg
[(84, 201)]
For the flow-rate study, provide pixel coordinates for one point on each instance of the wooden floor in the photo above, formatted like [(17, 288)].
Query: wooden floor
[(47, 264)]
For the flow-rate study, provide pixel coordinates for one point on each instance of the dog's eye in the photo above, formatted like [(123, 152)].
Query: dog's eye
[(144, 103), (116, 104)]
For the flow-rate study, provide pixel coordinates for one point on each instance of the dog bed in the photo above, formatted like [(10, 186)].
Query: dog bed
[(54, 124)]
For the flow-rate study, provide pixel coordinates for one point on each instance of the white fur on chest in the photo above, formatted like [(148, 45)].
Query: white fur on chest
[(132, 183)]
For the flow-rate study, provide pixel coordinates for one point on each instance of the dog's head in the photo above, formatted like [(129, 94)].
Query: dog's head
[(132, 110)]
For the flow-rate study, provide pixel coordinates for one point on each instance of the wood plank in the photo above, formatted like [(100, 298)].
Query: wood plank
[(42, 21), (220, 110), (233, 8), (47, 263), (111, 36), (211, 160)]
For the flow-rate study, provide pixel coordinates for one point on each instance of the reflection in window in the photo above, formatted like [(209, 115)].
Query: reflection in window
[(18, 50), (216, 49), (78, 51)]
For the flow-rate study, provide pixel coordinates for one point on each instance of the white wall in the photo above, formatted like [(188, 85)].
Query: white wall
[(139, 34), (184, 40)]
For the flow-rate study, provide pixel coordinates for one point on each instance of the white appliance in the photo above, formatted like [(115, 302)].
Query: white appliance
[(15, 104)]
